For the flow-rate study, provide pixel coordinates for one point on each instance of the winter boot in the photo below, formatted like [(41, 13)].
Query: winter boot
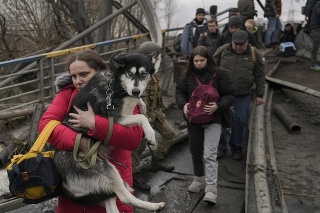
[(140, 183), (210, 194), (197, 184), (157, 165)]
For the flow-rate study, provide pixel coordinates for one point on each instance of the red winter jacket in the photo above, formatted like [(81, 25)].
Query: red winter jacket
[(124, 140)]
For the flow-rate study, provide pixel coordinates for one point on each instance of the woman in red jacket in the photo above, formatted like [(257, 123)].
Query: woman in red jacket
[(82, 66)]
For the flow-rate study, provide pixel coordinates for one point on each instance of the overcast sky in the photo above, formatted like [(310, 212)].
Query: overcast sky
[(185, 11)]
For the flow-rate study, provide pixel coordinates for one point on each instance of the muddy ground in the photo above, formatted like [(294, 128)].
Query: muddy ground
[(297, 155)]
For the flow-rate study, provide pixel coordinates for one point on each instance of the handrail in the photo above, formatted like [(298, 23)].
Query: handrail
[(69, 50)]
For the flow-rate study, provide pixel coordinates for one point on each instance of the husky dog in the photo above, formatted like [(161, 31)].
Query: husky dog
[(125, 81)]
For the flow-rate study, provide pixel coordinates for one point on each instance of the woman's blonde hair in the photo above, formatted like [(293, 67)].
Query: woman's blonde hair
[(251, 21)]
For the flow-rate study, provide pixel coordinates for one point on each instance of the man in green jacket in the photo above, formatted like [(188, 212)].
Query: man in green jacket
[(245, 66)]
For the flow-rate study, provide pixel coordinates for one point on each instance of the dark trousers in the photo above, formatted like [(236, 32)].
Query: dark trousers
[(315, 34), (196, 146), (241, 117)]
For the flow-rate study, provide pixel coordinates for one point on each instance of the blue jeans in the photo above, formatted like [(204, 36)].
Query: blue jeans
[(273, 30), (241, 117)]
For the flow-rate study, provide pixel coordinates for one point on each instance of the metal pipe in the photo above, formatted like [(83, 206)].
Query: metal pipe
[(256, 161), (152, 21), (294, 86), (16, 113), (286, 119), (257, 195)]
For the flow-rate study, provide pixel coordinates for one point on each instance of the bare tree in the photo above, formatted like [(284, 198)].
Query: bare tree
[(167, 9), (76, 10), (27, 29), (5, 49), (104, 32), (38, 25)]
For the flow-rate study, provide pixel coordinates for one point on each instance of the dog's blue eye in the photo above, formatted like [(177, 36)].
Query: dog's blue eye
[(130, 73), (144, 75)]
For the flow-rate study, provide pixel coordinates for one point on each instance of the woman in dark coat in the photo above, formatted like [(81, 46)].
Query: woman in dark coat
[(204, 138), (288, 34)]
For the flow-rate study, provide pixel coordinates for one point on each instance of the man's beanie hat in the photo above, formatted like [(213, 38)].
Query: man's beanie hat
[(235, 21), (233, 11), (148, 47), (200, 11), (240, 37)]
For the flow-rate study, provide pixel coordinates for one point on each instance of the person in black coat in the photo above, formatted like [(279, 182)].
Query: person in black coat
[(204, 138), (312, 15), (235, 24), (288, 34), (209, 38)]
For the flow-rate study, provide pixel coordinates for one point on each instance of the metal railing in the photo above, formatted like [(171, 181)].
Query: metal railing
[(21, 90)]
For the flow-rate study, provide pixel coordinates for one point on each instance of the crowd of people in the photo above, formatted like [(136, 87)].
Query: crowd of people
[(229, 60)]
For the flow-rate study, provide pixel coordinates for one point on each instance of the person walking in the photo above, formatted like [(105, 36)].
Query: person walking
[(272, 11), (245, 67), (235, 24), (153, 100), (82, 66), (209, 38), (312, 15), (192, 31), (251, 27), (204, 138), (247, 10)]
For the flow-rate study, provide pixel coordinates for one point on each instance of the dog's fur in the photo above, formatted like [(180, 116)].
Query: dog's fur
[(129, 75)]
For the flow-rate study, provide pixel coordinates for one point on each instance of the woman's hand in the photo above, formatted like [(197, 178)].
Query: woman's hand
[(185, 109), (85, 119), (210, 108)]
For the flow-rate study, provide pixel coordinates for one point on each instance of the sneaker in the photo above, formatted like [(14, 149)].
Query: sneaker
[(139, 183), (315, 66), (158, 165), (221, 153), (237, 154)]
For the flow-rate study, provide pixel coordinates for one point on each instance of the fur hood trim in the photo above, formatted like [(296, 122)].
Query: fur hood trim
[(62, 81)]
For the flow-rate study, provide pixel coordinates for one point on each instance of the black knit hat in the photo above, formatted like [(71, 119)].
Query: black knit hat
[(200, 11), (235, 21)]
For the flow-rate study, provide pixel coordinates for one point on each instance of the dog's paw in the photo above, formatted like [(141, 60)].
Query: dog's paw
[(151, 137), (158, 206), (142, 107)]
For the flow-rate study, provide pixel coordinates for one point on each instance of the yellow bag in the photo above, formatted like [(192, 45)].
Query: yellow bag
[(33, 176)]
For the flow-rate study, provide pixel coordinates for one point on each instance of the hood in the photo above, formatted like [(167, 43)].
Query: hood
[(63, 80)]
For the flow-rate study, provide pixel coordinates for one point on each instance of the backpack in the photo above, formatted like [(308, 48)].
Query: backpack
[(197, 30), (202, 95), (177, 43)]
